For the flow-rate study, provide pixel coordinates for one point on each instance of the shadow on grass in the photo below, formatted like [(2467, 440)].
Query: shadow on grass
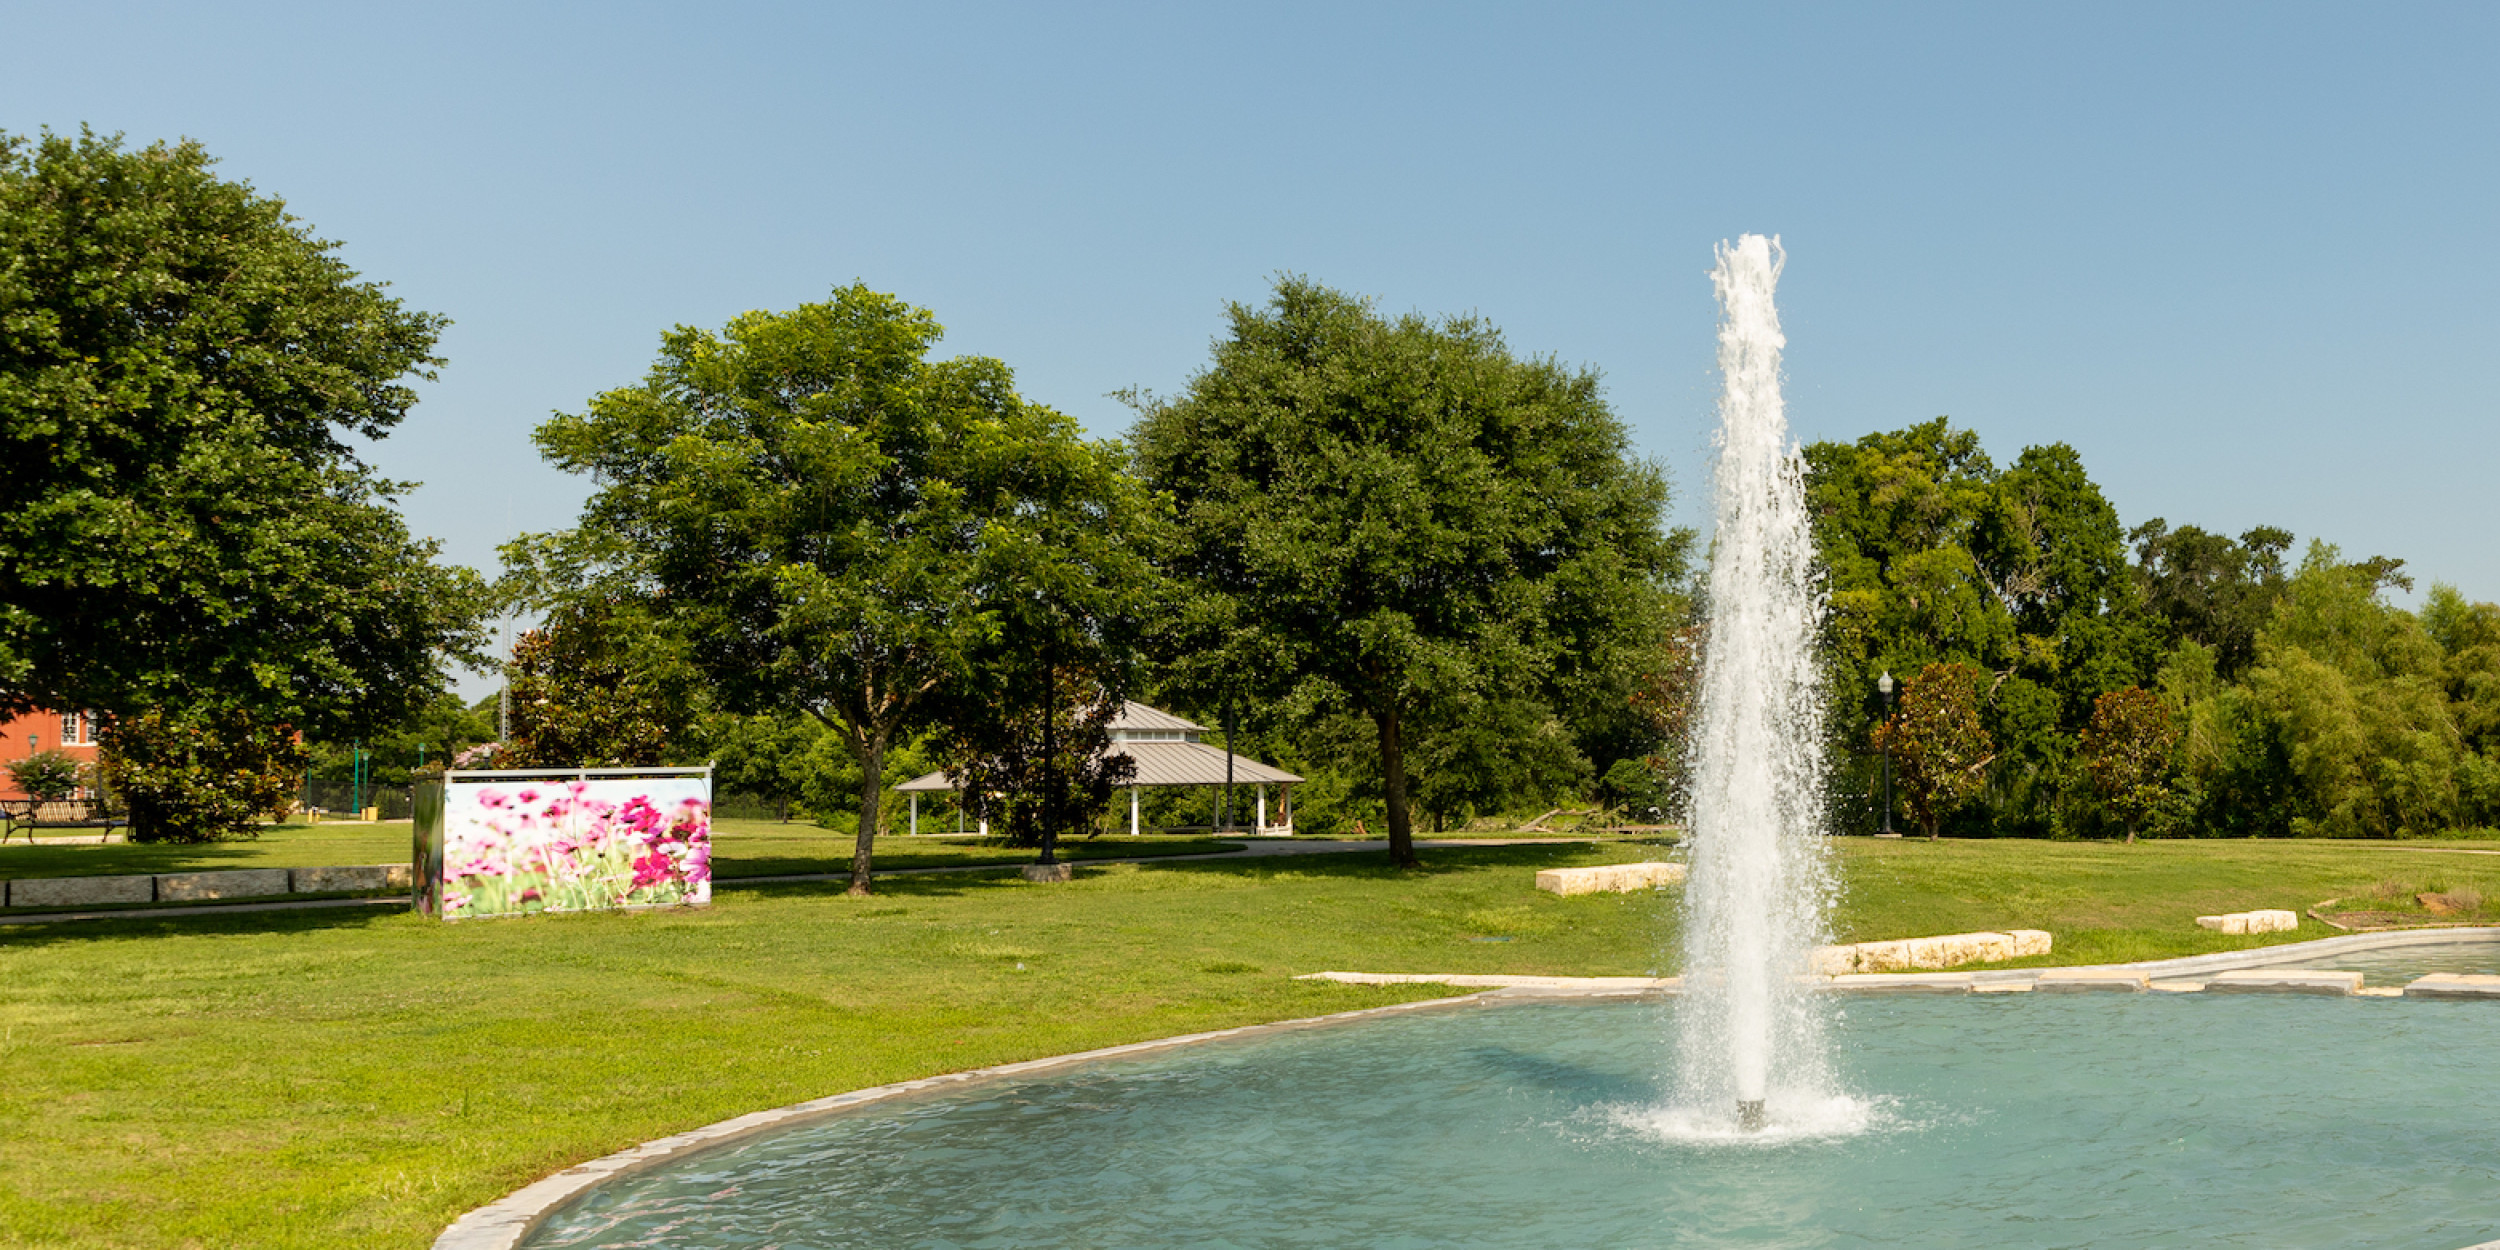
[(140, 925)]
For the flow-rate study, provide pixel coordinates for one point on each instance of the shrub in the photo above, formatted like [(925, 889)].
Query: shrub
[(48, 775), (200, 777)]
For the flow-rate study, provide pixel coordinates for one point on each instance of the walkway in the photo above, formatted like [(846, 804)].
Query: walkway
[(1264, 849)]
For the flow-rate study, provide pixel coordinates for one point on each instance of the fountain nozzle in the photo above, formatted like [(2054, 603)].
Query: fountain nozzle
[(1749, 1115)]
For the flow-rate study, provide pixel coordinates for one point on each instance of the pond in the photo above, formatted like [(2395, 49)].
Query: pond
[(1999, 1121)]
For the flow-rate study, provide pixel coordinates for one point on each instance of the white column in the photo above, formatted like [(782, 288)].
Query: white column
[(1262, 808), (1132, 811), (915, 813)]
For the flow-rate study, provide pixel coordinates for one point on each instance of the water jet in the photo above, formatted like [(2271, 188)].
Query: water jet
[(1756, 894)]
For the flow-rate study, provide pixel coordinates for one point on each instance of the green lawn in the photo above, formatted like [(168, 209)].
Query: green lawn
[(741, 848), (359, 1079)]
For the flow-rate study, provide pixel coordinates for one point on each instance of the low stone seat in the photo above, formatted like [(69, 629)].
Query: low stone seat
[(2265, 920), (1609, 878), (1950, 950)]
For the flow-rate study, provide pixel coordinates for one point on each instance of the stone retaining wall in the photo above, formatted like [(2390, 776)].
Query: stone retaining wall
[(193, 887)]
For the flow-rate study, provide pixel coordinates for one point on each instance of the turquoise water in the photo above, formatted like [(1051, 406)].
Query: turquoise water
[(2103, 1121)]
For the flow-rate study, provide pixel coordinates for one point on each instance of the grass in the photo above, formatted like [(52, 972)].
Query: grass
[(359, 1079), (741, 848)]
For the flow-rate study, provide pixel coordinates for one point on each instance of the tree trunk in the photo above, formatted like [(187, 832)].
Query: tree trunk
[(2131, 833), (871, 793), (1393, 790)]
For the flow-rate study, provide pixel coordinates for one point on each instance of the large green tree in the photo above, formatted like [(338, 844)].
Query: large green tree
[(1935, 555), (1397, 517), (836, 523), (186, 530)]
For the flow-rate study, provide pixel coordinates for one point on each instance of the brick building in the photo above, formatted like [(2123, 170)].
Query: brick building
[(73, 732)]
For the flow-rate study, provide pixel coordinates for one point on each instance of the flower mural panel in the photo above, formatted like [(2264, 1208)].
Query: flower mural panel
[(524, 844)]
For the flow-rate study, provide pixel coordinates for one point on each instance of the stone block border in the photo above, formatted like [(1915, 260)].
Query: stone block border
[(192, 887)]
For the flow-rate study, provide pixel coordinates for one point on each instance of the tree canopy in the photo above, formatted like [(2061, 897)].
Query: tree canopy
[(838, 524), (1401, 519), (185, 526)]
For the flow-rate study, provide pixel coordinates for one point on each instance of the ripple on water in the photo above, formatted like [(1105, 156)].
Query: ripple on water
[(1999, 1123)]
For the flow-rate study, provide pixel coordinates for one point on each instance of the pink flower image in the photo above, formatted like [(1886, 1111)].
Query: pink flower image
[(584, 844)]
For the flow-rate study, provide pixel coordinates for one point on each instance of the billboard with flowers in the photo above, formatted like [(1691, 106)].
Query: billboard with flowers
[(510, 843)]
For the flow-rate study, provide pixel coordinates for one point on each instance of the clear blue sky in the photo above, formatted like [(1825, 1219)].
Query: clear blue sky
[(2244, 257)]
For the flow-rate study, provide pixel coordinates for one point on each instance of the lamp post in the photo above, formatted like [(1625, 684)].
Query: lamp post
[(1884, 684)]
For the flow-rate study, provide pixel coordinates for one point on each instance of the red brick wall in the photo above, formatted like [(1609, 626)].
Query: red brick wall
[(41, 731)]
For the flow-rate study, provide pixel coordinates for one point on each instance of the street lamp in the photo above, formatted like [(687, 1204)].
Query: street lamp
[(1884, 684)]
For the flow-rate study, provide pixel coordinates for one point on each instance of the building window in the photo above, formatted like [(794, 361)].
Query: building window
[(77, 729)]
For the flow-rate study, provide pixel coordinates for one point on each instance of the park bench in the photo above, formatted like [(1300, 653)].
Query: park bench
[(32, 814)]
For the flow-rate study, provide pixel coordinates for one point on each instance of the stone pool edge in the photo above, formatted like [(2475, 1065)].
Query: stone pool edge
[(2177, 973), (505, 1222)]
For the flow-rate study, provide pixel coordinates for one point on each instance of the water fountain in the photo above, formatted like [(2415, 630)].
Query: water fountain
[(1752, 1037), (2008, 1121)]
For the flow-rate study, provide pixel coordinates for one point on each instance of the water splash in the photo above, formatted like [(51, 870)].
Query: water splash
[(1752, 1048)]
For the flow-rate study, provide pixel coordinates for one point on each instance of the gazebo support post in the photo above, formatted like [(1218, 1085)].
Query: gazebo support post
[(1132, 811), (915, 813), (1262, 809)]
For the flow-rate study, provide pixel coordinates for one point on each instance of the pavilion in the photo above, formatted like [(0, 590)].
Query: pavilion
[(1169, 751)]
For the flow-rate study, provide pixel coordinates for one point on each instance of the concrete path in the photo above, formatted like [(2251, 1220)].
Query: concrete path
[(1262, 849)]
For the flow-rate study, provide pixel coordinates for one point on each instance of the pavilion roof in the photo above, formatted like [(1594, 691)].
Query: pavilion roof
[(1158, 764), (1136, 715)]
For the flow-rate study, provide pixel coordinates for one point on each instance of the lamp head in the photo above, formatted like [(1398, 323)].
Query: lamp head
[(1884, 683)]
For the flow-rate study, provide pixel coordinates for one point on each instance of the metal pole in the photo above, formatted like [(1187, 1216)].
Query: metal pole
[(1228, 759), (1050, 758)]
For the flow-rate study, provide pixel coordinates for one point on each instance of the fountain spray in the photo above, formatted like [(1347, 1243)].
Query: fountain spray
[(1760, 885)]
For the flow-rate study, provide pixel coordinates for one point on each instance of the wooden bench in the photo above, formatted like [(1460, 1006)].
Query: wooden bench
[(33, 814)]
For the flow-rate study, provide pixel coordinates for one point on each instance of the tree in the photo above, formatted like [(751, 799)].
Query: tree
[(834, 521), (1394, 517), (1938, 745), (1936, 555), (1034, 759), (436, 735), (2126, 749), (183, 523), (596, 686), (2209, 590), (193, 776)]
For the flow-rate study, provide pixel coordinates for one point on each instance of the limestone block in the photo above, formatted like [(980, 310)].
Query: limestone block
[(1950, 950), (1904, 983), (2075, 980), (350, 877), (2266, 920), (235, 883), (2283, 981), (1609, 878), (81, 891), (2454, 985), (1061, 871)]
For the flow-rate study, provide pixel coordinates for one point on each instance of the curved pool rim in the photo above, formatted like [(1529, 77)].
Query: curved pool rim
[(508, 1221)]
